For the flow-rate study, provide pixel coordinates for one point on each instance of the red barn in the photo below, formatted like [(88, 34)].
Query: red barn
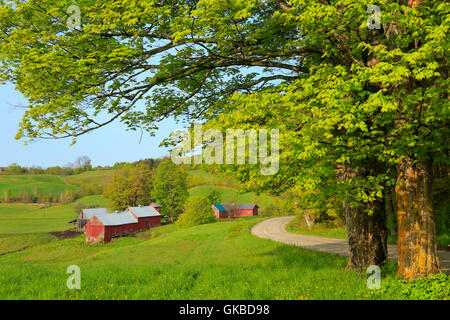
[(2, 170), (246, 210), (146, 216), (104, 226), (243, 210)]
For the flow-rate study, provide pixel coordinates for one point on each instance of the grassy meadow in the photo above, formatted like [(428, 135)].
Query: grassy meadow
[(39, 184), (100, 177), (29, 218), (221, 260)]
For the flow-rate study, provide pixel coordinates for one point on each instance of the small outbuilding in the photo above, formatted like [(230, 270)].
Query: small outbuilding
[(87, 214)]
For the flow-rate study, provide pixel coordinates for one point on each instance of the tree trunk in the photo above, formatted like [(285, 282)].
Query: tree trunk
[(309, 219), (417, 246), (367, 233), (391, 214)]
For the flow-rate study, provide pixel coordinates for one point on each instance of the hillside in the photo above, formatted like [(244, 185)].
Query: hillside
[(40, 184), (221, 260), (25, 218), (99, 177), (199, 182)]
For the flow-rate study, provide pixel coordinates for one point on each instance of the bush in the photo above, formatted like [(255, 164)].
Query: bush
[(197, 211), (271, 210), (436, 287)]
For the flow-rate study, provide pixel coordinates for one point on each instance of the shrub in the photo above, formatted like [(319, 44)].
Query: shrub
[(436, 287), (197, 211)]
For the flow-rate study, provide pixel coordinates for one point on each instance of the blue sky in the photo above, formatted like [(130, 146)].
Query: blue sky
[(104, 146)]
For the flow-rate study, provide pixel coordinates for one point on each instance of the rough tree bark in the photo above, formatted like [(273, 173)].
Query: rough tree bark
[(367, 234), (417, 245)]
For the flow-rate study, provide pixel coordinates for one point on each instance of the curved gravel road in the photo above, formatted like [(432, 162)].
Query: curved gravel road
[(275, 229)]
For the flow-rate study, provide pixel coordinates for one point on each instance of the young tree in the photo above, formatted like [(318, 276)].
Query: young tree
[(197, 211), (169, 189)]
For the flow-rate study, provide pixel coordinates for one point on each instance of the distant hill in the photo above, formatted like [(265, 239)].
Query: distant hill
[(42, 184)]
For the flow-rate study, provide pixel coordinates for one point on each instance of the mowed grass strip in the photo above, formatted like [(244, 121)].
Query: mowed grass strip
[(202, 262)]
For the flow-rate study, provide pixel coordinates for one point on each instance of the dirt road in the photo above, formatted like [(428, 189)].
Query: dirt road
[(275, 229)]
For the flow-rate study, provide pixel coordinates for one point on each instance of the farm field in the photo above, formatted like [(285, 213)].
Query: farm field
[(26, 218), (202, 177), (221, 260), (39, 184), (100, 177)]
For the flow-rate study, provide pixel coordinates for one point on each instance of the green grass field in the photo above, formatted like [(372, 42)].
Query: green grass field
[(215, 261), (20, 218), (202, 183), (227, 193), (200, 177), (28, 218), (220, 260), (100, 177), (40, 184)]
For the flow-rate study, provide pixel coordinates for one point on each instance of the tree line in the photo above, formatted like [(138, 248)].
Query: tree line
[(81, 164)]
